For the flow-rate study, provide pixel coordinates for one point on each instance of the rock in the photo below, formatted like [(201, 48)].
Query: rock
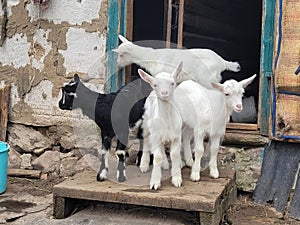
[(88, 161), (14, 159), (26, 161), (56, 148), (67, 166), (27, 140), (47, 162), (246, 162), (67, 142), (65, 155)]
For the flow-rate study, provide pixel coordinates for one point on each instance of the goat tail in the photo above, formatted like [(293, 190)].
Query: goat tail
[(232, 66)]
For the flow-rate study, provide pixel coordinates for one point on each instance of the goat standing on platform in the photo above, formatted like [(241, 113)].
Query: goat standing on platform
[(205, 112), (162, 126), (114, 113)]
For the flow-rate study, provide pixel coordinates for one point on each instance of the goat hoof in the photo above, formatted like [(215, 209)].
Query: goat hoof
[(121, 178), (100, 178), (154, 185), (195, 176), (177, 181), (214, 174), (144, 169)]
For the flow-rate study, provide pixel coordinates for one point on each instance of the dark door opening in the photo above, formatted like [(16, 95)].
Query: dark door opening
[(148, 24), (230, 28)]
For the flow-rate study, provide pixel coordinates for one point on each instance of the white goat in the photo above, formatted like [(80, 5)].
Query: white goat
[(201, 65), (162, 126), (205, 112)]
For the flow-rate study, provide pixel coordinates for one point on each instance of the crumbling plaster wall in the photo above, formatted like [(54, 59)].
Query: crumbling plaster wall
[(42, 50)]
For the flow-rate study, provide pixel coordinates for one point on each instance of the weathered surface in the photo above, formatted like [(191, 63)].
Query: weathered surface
[(47, 162), (4, 102), (14, 159), (246, 162), (26, 161), (67, 165), (88, 161), (280, 165), (18, 205), (206, 196), (28, 140)]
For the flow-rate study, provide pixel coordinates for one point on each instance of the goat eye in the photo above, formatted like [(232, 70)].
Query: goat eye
[(172, 83), (226, 94), (155, 85)]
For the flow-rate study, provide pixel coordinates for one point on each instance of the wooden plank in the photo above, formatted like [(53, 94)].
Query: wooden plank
[(129, 20), (244, 138), (24, 173), (279, 168), (122, 30), (295, 204), (266, 60), (169, 24), (129, 34), (241, 126), (204, 195), (63, 207), (4, 104), (112, 43), (180, 24)]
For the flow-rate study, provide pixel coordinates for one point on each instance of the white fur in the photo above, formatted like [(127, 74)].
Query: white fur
[(162, 126), (201, 65), (205, 112)]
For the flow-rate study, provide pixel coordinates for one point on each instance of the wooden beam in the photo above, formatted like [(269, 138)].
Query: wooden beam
[(129, 34), (111, 43), (242, 126), (244, 138), (169, 24), (266, 66), (4, 100), (36, 174), (180, 24)]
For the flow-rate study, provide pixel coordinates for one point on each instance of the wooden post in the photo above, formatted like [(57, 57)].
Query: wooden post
[(112, 43), (180, 24), (129, 35), (169, 24), (4, 99)]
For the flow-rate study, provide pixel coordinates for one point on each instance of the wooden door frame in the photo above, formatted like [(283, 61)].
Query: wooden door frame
[(266, 56)]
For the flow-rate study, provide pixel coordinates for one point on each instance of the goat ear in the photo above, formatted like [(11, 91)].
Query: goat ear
[(145, 76), (123, 39), (178, 70), (217, 86), (76, 77), (247, 81)]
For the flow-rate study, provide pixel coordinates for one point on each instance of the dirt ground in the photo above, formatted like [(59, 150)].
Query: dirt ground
[(33, 191)]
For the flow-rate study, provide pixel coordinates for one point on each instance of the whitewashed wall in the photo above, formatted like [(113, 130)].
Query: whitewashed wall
[(42, 51)]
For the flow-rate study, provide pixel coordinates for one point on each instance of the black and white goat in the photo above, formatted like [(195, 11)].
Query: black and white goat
[(114, 113)]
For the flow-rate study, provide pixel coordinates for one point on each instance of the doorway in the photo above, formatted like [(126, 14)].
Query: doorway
[(230, 28)]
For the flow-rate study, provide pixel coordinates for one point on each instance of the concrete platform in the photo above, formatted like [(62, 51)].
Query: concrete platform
[(208, 197)]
